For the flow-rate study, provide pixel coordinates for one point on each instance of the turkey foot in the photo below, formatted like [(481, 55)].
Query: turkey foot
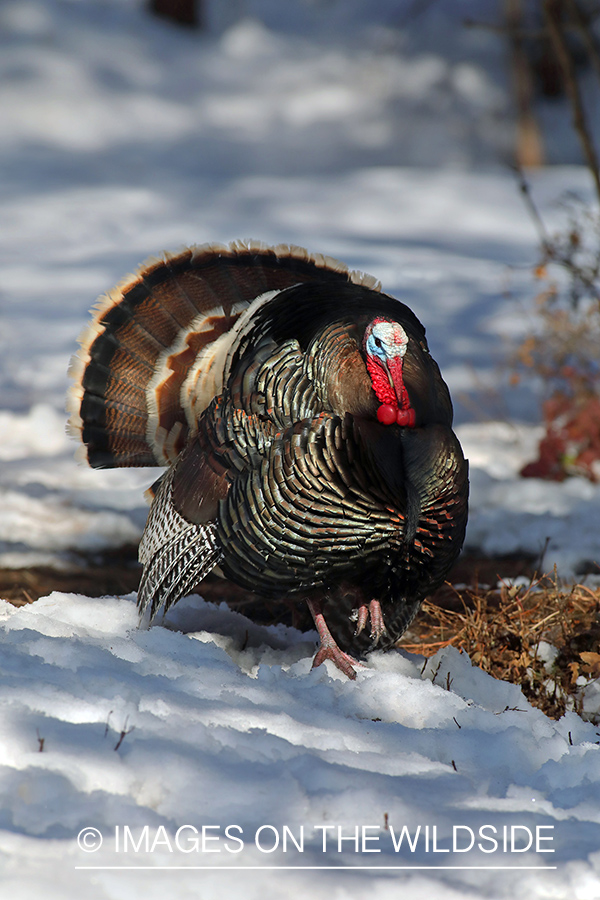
[(329, 649), (377, 624)]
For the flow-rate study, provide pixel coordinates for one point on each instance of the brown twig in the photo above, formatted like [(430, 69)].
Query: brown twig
[(532, 209), (556, 31), (124, 732), (583, 27)]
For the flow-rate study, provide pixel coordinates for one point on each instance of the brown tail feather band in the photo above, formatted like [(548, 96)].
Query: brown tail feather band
[(153, 356)]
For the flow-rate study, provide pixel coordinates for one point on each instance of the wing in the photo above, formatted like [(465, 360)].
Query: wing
[(176, 553)]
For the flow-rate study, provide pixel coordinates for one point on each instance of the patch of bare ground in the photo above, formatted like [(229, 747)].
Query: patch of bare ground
[(505, 628), (112, 574)]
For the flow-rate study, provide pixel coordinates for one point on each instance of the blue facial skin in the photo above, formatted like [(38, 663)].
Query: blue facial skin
[(375, 347)]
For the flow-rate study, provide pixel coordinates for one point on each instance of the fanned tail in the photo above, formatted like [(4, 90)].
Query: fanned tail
[(152, 358)]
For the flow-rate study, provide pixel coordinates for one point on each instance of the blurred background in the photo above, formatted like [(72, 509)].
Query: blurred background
[(133, 126), (445, 146)]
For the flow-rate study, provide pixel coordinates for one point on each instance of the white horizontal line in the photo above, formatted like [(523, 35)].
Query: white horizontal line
[(319, 868)]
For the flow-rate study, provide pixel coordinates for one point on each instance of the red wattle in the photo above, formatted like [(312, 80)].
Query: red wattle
[(405, 417), (386, 414), (380, 381)]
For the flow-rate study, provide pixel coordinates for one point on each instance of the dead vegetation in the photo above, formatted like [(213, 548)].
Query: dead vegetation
[(541, 635), (563, 348)]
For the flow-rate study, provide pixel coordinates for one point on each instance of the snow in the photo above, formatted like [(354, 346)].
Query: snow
[(213, 721), (380, 143)]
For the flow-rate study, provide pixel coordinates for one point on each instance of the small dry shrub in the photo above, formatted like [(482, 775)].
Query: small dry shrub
[(510, 631), (564, 349)]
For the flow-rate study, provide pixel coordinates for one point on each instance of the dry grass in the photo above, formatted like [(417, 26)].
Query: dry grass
[(501, 629)]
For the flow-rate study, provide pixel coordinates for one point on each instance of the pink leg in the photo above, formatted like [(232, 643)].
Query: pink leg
[(377, 624), (362, 615), (329, 649)]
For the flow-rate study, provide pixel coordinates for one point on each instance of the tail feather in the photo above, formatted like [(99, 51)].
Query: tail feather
[(152, 358)]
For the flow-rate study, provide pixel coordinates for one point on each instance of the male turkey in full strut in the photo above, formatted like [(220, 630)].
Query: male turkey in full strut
[(307, 430)]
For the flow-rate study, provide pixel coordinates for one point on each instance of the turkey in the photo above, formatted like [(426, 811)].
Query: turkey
[(306, 429)]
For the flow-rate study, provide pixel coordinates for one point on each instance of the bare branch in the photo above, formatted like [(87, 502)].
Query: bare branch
[(552, 12), (583, 27), (533, 210)]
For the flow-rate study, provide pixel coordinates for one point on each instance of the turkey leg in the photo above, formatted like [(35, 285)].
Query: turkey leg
[(373, 610), (329, 649)]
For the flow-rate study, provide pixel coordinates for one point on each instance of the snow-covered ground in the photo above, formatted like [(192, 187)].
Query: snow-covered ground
[(150, 735), (122, 136)]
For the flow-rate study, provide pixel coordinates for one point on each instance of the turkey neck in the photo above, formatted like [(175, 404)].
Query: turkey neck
[(336, 367), (396, 458)]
